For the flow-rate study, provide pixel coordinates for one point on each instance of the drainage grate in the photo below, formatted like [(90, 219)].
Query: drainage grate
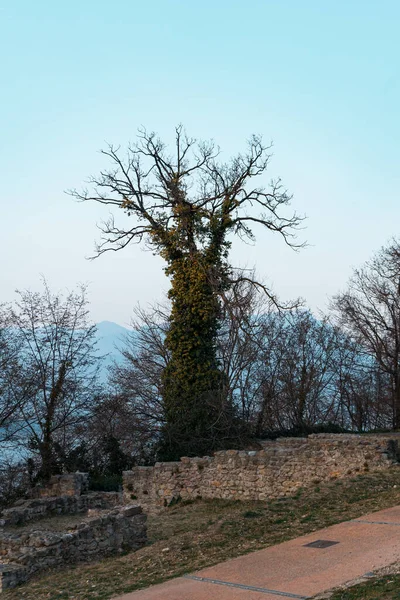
[(320, 544)]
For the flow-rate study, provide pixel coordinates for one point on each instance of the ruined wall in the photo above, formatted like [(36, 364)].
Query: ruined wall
[(67, 484), (25, 511), (281, 468), (24, 553)]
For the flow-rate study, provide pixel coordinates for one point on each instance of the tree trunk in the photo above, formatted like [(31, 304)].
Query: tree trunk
[(192, 382), (46, 447), (46, 455)]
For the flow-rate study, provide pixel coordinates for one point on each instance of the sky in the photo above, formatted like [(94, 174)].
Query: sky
[(319, 79)]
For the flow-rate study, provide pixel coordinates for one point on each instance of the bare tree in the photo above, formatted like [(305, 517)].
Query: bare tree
[(307, 373), (115, 418), (370, 312), (14, 481), (295, 372), (137, 379), (59, 367), (241, 343), (13, 390), (185, 208), (361, 389)]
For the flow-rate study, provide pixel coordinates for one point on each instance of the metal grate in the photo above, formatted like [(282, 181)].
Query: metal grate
[(320, 544)]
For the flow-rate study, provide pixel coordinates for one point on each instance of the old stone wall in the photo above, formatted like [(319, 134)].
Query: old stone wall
[(67, 484), (32, 510), (281, 468), (24, 553)]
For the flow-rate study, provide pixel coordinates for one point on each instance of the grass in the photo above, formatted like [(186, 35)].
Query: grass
[(191, 536), (381, 588)]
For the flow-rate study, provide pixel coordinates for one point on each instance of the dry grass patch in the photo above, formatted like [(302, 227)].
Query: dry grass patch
[(384, 586), (190, 536)]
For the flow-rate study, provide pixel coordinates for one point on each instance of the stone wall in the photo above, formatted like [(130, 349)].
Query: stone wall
[(67, 484), (25, 511), (24, 553), (281, 468)]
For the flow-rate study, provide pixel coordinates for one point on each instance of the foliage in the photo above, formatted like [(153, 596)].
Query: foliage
[(193, 385), (105, 483)]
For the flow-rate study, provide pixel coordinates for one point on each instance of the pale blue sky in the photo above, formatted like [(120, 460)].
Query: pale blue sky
[(320, 78)]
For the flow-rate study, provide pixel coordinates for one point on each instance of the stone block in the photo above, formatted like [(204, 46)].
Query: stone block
[(130, 511)]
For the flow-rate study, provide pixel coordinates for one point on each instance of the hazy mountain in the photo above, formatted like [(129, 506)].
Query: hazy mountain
[(109, 337)]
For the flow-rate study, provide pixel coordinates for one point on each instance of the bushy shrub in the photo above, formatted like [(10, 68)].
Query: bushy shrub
[(14, 482), (105, 483)]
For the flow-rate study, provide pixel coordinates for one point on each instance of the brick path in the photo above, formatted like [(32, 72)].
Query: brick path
[(293, 569)]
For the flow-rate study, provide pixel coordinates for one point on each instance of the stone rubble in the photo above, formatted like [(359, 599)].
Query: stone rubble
[(109, 528)]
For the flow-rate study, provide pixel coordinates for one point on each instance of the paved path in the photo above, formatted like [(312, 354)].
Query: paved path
[(293, 569)]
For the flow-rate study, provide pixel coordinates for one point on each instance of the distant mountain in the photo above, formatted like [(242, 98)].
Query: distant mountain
[(110, 337)]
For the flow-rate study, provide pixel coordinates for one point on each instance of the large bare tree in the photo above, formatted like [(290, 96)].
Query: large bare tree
[(187, 207)]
